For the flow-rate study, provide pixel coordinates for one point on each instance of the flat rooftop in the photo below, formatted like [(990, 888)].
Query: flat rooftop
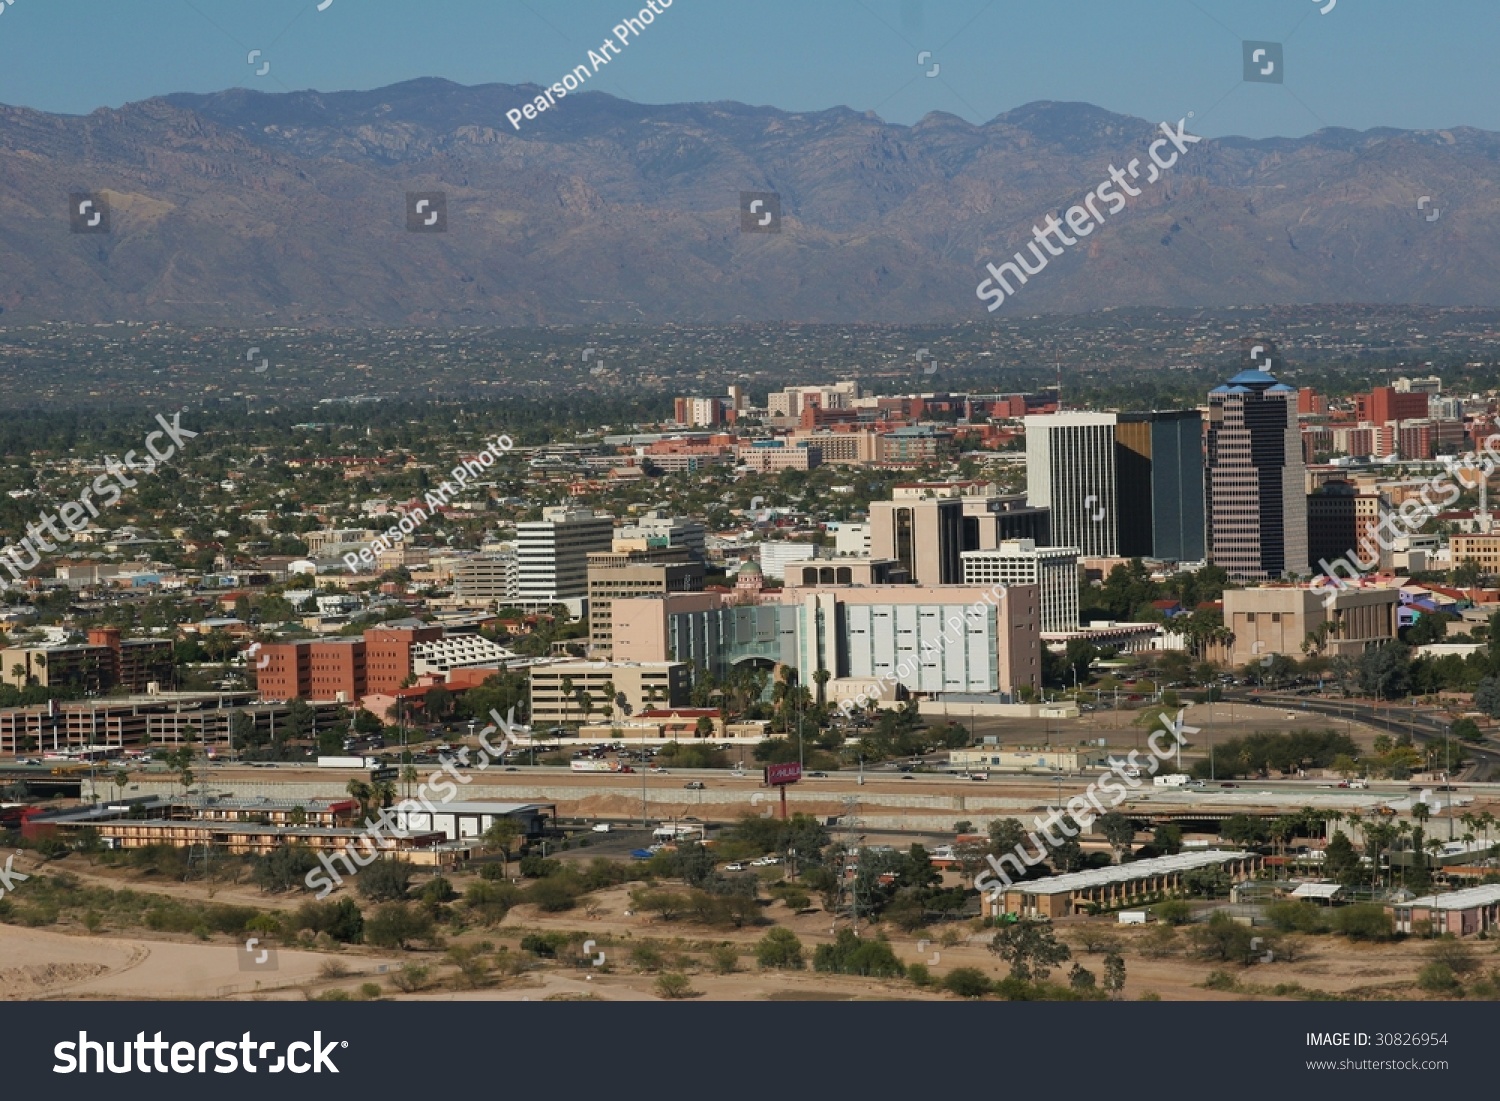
[(1125, 873)]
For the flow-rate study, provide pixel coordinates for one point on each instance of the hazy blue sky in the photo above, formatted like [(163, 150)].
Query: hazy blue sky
[(1404, 63)]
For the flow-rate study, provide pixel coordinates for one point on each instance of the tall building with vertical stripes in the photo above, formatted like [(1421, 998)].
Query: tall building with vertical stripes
[(1071, 469), (1257, 501)]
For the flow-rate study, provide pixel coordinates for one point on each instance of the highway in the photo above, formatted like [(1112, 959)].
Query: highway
[(1421, 724)]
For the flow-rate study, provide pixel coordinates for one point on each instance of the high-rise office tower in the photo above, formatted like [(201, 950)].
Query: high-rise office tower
[(1159, 467), (1257, 502), (554, 554), (923, 531), (1071, 469)]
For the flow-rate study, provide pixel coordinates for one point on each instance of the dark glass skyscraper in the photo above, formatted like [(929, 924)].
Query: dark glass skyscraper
[(1159, 466), (1257, 498)]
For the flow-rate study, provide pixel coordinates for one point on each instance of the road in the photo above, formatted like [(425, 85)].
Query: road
[(1421, 725)]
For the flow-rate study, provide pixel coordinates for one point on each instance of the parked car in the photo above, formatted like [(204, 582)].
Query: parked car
[(694, 785), (735, 867)]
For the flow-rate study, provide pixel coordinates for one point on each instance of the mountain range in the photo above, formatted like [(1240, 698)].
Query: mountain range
[(242, 207)]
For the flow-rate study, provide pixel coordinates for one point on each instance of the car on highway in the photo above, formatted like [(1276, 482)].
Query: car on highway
[(818, 775), (601, 827), (656, 768), (1227, 785)]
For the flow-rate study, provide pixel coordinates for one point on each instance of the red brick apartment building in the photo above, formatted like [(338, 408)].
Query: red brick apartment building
[(343, 669)]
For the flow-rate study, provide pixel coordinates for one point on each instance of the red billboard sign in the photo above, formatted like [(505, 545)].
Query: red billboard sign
[(777, 775)]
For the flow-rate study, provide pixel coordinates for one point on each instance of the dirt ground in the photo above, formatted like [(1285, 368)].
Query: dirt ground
[(65, 962)]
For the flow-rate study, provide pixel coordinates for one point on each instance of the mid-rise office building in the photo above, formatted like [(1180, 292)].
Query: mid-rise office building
[(388, 654), (659, 529), (1257, 504), (617, 574), (106, 661), (1342, 522), (582, 691), (928, 639), (1053, 570), (343, 669), (923, 532), (1273, 620), (491, 579), (553, 554)]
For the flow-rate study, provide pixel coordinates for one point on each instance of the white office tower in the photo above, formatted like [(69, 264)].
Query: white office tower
[(1070, 468), (554, 554), (1053, 570)]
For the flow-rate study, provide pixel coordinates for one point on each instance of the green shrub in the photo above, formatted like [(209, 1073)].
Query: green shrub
[(1364, 921), (1174, 911), (1438, 978), (674, 984), (780, 949), (966, 982)]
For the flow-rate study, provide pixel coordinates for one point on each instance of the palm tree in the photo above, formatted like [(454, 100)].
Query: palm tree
[(821, 677), (501, 835), (361, 792), (1435, 847), (1421, 812), (383, 792), (1403, 831)]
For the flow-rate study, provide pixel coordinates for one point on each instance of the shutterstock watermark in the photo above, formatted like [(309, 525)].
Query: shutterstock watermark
[(1117, 782), (930, 648), (9, 877), (108, 488), (158, 1056), (1082, 219), (326, 878), (1407, 520), (435, 499)]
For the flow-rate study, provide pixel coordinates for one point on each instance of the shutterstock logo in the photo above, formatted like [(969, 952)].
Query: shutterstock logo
[(9, 877)]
